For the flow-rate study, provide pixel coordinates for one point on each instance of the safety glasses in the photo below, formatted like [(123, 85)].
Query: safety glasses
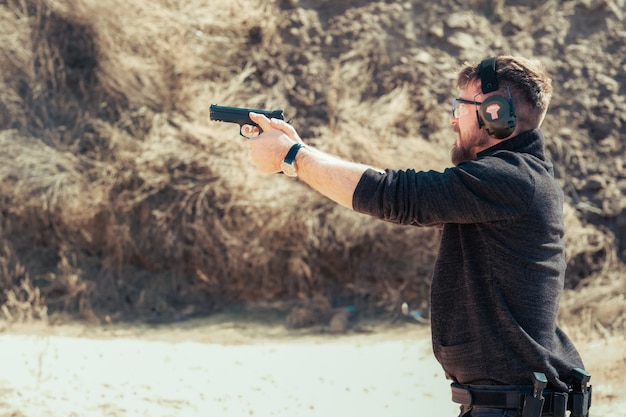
[(456, 112)]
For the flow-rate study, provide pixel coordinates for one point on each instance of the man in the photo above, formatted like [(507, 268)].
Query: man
[(500, 268)]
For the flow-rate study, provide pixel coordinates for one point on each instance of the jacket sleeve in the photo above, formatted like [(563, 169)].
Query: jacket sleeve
[(482, 190)]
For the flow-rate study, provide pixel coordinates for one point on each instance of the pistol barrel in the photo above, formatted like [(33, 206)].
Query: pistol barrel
[(240, 115)]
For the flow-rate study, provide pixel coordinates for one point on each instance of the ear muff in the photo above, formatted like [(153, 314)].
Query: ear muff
[(497, 115), (488, 77)]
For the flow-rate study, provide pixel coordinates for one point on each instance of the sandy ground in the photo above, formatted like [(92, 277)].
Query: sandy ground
[(230, 367)]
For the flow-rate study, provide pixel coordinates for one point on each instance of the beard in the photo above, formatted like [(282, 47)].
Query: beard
[(459, 154), (466, 152)]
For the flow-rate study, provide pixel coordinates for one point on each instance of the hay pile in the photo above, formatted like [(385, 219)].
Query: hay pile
[(120, 199)]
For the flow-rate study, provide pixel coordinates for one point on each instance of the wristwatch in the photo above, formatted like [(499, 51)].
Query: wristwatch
[(288, 166)]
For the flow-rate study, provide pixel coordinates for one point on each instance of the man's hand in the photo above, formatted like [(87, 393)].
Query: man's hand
[(268, 150), (329, 175)]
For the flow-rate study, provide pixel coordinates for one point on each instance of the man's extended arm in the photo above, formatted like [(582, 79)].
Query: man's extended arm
[(335, 178)]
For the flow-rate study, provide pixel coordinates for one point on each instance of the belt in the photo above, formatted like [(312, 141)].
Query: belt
[(511, 397)]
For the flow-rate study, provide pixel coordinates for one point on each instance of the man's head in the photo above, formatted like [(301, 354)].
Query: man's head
[(530, 92)]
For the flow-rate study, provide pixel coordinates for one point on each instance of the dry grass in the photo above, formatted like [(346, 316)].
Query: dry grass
[(121, 199)]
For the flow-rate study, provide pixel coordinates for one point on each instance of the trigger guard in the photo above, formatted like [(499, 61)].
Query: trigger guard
[(253, 130)]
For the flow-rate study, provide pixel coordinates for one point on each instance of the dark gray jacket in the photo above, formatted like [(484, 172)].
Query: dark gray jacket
[(500, 269)]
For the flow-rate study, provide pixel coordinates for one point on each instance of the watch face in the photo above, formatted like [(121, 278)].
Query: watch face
[(289, 169)]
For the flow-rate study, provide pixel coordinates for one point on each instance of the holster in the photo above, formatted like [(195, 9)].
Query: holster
[(559, 404), (530, 401), (580, 393), (580, 403)]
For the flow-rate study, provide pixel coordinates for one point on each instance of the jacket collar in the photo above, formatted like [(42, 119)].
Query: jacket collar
[(530, 141)]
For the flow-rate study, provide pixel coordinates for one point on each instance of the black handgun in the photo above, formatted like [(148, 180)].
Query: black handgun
[(247, 128)]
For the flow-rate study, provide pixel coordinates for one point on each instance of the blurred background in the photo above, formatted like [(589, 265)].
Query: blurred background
[(120, 201)]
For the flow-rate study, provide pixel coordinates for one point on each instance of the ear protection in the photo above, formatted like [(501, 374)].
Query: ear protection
[(496, 114)]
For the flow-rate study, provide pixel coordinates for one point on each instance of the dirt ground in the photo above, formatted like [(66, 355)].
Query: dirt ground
[(233, 366)]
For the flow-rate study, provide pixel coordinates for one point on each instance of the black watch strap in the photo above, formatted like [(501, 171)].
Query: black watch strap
[(291, 155)]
